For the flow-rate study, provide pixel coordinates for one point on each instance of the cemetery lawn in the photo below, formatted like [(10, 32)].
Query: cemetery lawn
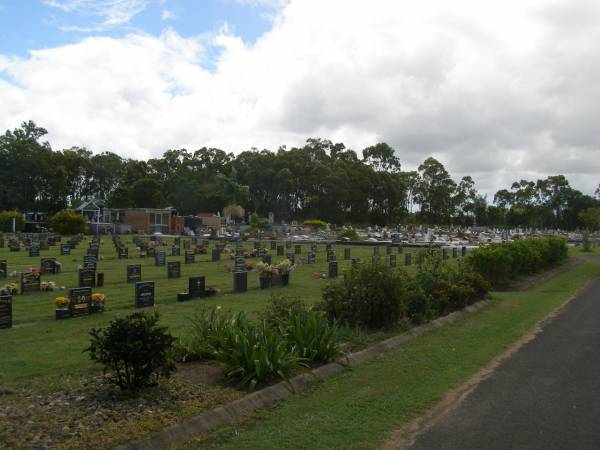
[(359, 408), (40, 346)]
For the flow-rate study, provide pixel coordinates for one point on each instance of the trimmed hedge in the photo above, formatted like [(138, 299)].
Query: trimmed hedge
[(502, 263)]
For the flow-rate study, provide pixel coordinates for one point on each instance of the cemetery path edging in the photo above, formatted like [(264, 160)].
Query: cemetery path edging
[(227, 414)]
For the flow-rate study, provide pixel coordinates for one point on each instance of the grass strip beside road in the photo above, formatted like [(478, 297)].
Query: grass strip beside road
[(359, 408)]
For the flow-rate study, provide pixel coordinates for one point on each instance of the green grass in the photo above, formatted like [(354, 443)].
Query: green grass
[(359, 408), (38, 345)]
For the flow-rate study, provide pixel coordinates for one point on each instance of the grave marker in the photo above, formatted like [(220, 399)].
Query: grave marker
[(266, 258), (34, 251), (196, 286), (30, 282), (333, 269), (87, 277), (5, 311), (134, 273), (173, 269), (123, 252), (347, 253), (454, 252), (216, 255), (65, 249), (49, 265), (159, 258), (144, 294), (80, 301), (463, 251), (89, 262), (190, 257), (312, 258), (175, 250), (240, 282), (3, 268)]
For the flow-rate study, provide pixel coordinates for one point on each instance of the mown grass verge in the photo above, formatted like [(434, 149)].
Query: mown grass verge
[(359, 408)]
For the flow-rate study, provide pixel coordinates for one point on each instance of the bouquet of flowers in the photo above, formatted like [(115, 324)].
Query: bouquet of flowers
[(61, 302)]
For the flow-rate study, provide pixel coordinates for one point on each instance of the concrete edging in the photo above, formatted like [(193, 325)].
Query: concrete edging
[(224, 415)]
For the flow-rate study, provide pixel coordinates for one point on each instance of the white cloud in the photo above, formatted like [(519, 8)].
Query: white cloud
[(499, 90), (165, 14), (110, 13)]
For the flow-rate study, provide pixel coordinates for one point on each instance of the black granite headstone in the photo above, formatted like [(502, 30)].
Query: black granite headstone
[(134, 273), (173, 269), (144, 294), (80, 301), (5, 311)]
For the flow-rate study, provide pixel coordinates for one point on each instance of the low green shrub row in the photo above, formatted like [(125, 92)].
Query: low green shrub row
[(375, 295), (501, 264)]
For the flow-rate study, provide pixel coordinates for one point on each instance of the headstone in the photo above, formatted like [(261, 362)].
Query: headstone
[(80, 301), (34, 250), (292, 258), (100, 279), (177, 242), (134, 273), (445, 253), (266, 258), (123, 252), (333, 269), (159, 258), (144, 294), (463, 251), (196, 286), (87, 277), (347, 253), (3, 268), (407, 259), (173, 269), (312, 258), (190, 257), (49, 265), (392, 260), (240, 264), (89, 262), (14, 246), (240, 282), (5, 311), (1, 242), (65, 249), (30, 282), (216, 255), (330, 256), (280, 250), (454, 252), (297, 249), (175, 250)]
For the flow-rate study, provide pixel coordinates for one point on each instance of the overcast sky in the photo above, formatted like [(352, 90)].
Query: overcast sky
[(498, 90)]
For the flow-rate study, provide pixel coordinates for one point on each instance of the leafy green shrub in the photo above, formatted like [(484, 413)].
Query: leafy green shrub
[(134, 350), (315, 223), (254, 354), (350, 233), (280, 307), (370, 295), (6, 221), (312, 335), (209, 331), (68, 222), (502, 263)]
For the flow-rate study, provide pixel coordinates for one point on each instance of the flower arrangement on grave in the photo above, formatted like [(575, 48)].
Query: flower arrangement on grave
[(248, 266), (61, 302), (265, 270), (47, 286), (9, 289), (285, 267), (98, 301)]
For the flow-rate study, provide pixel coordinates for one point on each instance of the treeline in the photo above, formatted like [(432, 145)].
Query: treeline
[(319, 180)]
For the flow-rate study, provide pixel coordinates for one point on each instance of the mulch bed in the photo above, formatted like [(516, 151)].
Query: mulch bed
[(93, 415)]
